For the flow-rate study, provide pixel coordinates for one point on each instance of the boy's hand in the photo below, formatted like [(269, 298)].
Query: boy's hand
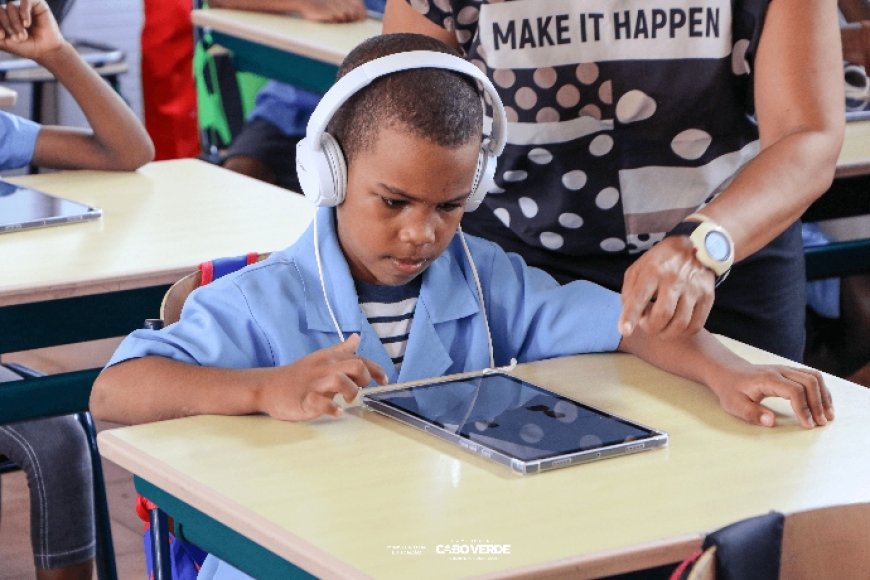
[(741, 393), (29, 30), (306, 389), (320, 10)]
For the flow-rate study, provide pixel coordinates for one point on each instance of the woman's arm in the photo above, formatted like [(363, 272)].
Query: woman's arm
[(399, 16), (118, 140), (799, 105)]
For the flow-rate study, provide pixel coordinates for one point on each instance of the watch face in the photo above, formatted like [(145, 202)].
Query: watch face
[(717, 246)]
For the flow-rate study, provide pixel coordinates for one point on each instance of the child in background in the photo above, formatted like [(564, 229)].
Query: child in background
[(265, 148), (382, 288), (53, 452)]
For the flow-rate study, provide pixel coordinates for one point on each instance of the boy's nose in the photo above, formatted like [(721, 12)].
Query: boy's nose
[(418, 231)]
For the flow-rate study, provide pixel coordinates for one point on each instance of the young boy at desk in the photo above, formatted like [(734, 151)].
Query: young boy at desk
[(53, 452), (385, 288)]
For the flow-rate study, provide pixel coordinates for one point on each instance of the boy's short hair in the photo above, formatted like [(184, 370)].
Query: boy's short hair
[(440, 106)]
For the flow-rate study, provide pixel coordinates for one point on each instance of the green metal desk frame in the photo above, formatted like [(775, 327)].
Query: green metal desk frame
[(277, 64), (192, 525)]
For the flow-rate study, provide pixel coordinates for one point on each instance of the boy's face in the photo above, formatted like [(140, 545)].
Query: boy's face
[(405, 197)]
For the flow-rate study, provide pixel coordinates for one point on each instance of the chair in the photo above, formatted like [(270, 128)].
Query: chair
[(224, 96), (170, 312), (13, 379), (831, 542)]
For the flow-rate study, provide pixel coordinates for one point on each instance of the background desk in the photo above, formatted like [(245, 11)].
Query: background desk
[(366, 496), (8, 97), (285, 48), (101, 279)]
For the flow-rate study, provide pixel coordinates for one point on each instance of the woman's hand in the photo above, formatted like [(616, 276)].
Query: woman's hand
[(306, 389), (740, 394), (667, 291)]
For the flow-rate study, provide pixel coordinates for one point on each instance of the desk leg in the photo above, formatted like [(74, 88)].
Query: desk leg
[(160, 545)]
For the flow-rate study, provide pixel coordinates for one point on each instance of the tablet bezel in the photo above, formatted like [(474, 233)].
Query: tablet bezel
[(75, 211), (655, 440)]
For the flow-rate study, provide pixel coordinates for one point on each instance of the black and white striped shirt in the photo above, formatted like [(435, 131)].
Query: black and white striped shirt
[(390, 309)]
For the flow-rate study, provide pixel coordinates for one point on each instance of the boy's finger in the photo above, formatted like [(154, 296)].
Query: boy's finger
[(349, 345), (813, 387), (752, 412)]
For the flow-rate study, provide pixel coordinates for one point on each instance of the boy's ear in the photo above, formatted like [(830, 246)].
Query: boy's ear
[(322, 171)]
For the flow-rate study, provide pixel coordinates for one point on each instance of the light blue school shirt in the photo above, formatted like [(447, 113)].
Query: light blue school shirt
[(17, 140), (273, 313)]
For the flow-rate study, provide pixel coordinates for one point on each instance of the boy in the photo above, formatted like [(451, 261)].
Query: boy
[(267, 339), (53, 452)]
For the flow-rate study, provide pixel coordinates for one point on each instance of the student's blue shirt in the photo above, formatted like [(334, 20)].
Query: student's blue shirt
[(17, 140), (273, 313)]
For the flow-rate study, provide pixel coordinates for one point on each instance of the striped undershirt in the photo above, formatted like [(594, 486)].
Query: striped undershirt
[(389, 309)]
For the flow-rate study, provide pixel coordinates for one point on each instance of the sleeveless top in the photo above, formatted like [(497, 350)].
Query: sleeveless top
[(624, 116)]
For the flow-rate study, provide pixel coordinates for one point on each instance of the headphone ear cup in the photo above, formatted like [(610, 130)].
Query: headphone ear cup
[(322, 171), (337, 170), (484, 179)]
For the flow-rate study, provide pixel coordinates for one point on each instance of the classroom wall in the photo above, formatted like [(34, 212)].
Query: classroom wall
[(117, 23)]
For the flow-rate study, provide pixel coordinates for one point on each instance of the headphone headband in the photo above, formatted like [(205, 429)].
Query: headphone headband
[(320, 163), (363, 75)]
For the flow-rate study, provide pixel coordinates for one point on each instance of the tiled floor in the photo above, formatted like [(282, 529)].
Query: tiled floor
[(16, 561)]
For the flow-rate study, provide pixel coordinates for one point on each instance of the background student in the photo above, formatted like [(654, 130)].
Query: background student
[(619, 135), (53, 452), (266, 146)]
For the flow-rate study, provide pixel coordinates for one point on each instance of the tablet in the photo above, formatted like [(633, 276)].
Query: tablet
[(514, 422), (24, 208)]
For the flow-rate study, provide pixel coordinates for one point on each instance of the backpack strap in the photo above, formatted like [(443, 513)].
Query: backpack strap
[(214, 269)]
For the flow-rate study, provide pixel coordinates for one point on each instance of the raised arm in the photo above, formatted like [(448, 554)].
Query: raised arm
[(118, 140), (154, 388), (740, 385)]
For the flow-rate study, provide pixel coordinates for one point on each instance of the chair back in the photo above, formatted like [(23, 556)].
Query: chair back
[(173, 300), (830, 542)]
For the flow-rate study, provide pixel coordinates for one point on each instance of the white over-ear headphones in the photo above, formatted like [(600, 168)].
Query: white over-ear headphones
[(320, 162)]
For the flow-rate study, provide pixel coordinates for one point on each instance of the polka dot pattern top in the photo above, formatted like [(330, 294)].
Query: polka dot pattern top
[(624, 116)]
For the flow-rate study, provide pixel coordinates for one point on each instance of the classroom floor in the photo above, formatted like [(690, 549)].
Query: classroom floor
[(16, 560)]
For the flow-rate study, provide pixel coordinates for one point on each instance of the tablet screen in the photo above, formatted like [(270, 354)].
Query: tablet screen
[(513, 417)]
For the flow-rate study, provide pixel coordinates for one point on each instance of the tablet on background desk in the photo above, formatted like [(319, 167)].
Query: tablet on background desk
[(25, 208), (514, 422)]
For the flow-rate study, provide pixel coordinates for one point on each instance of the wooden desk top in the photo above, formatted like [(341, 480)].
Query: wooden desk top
[(855, 157), (327, 42), (8, 97), (360, 496), (158, 223)]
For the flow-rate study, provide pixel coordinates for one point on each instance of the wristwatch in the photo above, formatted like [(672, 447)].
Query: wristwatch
[(713, 245)]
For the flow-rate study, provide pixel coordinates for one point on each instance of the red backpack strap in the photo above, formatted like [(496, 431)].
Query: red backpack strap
[(214, 269)]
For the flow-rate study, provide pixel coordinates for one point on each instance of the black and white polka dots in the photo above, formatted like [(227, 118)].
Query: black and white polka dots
[(617, 129)]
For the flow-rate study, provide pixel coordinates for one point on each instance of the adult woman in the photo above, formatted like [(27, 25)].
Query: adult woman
[(627, 119)]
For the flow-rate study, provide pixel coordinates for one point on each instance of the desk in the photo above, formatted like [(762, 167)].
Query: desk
[(101, 279), (366, 496), (285, 48), (8, 97), (854, 158)]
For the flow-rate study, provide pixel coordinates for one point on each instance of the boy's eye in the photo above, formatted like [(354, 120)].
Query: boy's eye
[(448, 207), (394, 203)]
